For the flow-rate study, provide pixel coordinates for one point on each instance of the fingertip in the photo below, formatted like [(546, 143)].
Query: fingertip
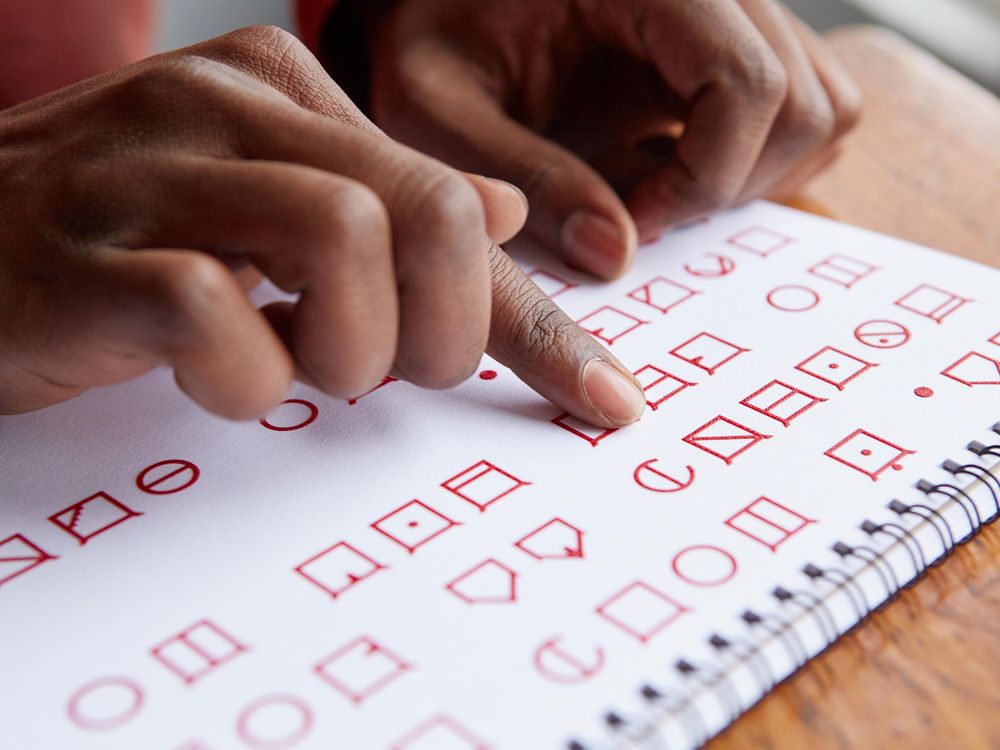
[(594, 243), (505, 206), (612, 393)]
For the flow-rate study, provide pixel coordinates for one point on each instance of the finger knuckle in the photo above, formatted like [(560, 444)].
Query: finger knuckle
[(193, 290), (451, 206), (759, 73), (262, 41), (847, 104), (359, 211), (810, 119)]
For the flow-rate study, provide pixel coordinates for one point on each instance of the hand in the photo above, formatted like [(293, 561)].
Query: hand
[(681, 106), (134, 203)]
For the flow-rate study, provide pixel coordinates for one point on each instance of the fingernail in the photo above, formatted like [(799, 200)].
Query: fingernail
[(512, 188), (592, 243), (611, 393)]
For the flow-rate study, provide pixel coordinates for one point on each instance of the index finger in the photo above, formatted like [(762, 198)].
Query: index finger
[(532, 336)]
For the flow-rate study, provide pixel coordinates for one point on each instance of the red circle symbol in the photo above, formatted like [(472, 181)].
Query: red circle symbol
[(292, 414), (706, 565), (882, 334), (924, 392), (793, 298), (167, 477), (274, 722), (487, 375), (105, 703)]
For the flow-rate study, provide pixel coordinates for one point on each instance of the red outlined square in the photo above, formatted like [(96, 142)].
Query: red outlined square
[(553, 540), (662, 294), (707, 352), (413, 525), (931, 302), (551, 284), (724, 438), (781, 402), (974, 369), (770, 523), (338, 568), (868, 453), (834, 367), (197, 650), (583, 430), (439, 732), (842, 270), (361, 668), (641, 610), (18, 555), (609, 324), (385, 381), (92, 516), (489, 582), (659, 385), (483, 483), (760, 241)]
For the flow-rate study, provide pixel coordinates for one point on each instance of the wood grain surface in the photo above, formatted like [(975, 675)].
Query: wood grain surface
[(925, 673)]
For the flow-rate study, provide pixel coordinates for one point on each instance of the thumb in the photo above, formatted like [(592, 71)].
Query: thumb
[(574, 211), (552, 354)]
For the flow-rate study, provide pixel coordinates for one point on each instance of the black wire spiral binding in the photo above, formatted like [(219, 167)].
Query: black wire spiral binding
[(779, 626)]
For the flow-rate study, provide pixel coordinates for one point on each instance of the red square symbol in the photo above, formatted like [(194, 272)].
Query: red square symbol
[(760, 241), (868, 453), (707, 352), (781, 402), (413, 525), (843, 270), (659, 385), (583, 430), (549, 283), (338, 568), (361, 668), (483, 483), (197, 650), (555, 540), (439, 733), (609, 324), (834, 367), (92, 516), (724, 438), (662, 294), (931, 302), (641, 610), (18, 555), (490, 582)]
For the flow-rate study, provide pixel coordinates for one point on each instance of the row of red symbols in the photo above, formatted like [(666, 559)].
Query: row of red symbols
[(296, 413), (93, 516)]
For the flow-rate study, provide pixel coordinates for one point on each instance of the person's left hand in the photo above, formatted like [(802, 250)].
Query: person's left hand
[(681, 107)]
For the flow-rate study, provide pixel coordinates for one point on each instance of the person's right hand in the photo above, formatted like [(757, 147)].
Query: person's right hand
[(131, 203)]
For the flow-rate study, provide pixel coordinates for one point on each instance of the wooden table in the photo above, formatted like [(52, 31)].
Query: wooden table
[(925, 673)]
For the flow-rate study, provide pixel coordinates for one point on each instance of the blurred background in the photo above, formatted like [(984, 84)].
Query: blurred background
[(964, 33)]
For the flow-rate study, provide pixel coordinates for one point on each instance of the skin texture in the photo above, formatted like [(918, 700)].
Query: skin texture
[(619, 119), (139, 207)]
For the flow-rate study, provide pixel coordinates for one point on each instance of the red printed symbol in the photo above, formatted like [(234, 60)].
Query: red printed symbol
[(274, 722), (488, 375), (995, 339), (581, 429), (923, 391), (724, 438), (292, 414), (439, 733), (105, 703), (659, 385), (641, 610), (843, 270), (197, 650), (868, 453), (361, 668), (385, 381), (662, 294), (549, 283), (338, 568), (793, 298), (974, 369), (931, 302), (92, 516), (723, 267), (167, 477), (704, 565), (834, 367), (655, 480), (882, 334), (554, 540), (556, 662), (770, 523), (18, 555), (760, 241), (413, 525), (483, 483), (490, 582), (707, 352), (781, 402), (609, 324)]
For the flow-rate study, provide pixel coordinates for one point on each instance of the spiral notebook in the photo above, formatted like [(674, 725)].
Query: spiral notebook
[(472, 569)]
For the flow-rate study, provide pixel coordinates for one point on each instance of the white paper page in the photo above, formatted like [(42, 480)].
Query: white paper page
[(466, 569)]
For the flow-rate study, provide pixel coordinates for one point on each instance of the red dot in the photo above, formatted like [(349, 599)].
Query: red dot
[(897, 467), (924, 392), (487, 374), (834, 365), (865, 452), (883, 341), (412, 524)]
